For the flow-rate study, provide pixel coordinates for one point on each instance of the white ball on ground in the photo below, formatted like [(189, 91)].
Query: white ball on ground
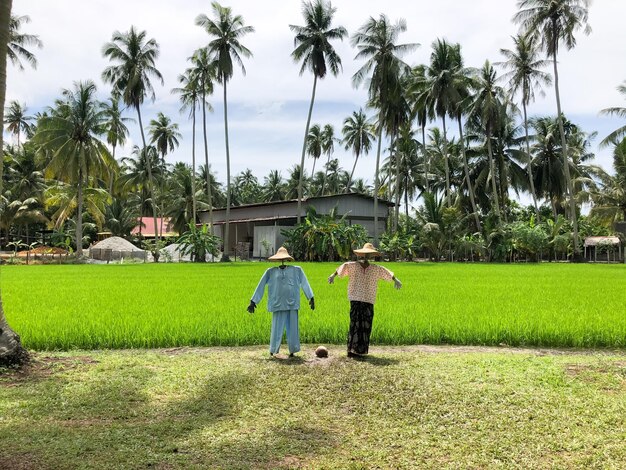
[(321, 351)]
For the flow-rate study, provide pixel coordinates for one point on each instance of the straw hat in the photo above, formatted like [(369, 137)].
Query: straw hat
[(368, 249), (281, 255)]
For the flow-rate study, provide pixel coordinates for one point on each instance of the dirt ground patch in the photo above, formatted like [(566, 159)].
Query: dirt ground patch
[(41, 366)]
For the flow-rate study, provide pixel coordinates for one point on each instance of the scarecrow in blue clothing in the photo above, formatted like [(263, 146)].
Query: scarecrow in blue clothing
[(283, 300)]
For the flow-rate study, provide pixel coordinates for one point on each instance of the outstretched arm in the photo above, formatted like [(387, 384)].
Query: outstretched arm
[(304, 283), (259, 291), (396, 282)]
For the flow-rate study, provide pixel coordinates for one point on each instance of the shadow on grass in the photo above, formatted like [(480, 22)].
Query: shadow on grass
[(375, 360), (127, 415)]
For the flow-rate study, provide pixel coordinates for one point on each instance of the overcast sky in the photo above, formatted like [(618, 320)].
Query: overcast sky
[(268, 106)]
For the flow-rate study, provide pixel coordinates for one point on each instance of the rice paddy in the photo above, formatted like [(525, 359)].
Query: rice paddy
[(64, 307)]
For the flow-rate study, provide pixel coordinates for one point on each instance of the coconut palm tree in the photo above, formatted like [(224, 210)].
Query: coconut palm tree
[(609, 200), (134, 59), (313, 47), (376, 42), (486, 110), (16, 119), (421, 110), (62, 200), (328, 147), (134, 180), (164, 136), (121, 218), (620, 132), (24, 176), (358, 134), (116, 130), (554, 22), (293, 181), (525, 75), (226, 32), (18, 42), (71, 137), (204, 69), (273, 187), (189, 95), (11, 349), (547, 165), (440, 92), (314, 144), (218, 198), (181, 203)]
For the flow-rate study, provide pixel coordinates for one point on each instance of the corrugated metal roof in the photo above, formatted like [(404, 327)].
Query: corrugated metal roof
[(164, 224)]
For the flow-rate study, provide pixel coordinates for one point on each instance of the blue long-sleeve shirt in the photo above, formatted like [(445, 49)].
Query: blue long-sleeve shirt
[(283, 291)]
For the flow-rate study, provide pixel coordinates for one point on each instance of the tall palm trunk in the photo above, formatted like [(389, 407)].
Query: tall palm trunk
[(425, 155), (470, 188), (376, 179), (306, 133), (492, 170), (446, 158), (149, 167), (313, 169), (206, 160), (568, 178), (79, 216), (193, 163), (226, 255), (111, 174), (356, 159), (396, 220), (325, 175), (406, 195), (11, 350), (529, 167)]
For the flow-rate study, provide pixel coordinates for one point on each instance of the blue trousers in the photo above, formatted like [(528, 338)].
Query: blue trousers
[(285, 320)]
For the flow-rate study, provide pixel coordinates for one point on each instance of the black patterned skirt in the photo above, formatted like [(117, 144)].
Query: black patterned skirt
[(361, 317)]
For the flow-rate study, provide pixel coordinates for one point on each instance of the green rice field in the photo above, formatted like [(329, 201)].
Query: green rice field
[(63, 307)]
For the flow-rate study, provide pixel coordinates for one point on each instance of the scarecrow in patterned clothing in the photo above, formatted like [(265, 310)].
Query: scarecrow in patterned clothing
[(362, 288), (283, 300)]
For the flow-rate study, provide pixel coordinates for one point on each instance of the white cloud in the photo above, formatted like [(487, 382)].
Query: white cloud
[(268, 106)]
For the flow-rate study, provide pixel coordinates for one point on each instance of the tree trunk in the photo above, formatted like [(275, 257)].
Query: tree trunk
[(325, 175), (356, 158), (529, 167), (568, 178), (206, 159), (313, 169), (111, 175), (426, 166), (149, 168), (79, 216), (470, 188), (376, 180), (492, 170), (446, 159), (193, 163), (11, 350), (396, 219), (306, 133), (226, 254)]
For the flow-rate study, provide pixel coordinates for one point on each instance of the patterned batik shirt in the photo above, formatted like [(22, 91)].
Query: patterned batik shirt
[(363, 282)]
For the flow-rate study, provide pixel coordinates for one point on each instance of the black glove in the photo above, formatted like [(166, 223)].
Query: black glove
[(312, 303), (251, 307)]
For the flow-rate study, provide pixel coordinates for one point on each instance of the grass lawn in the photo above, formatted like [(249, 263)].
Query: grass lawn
[(403, 407), (64, 307)]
